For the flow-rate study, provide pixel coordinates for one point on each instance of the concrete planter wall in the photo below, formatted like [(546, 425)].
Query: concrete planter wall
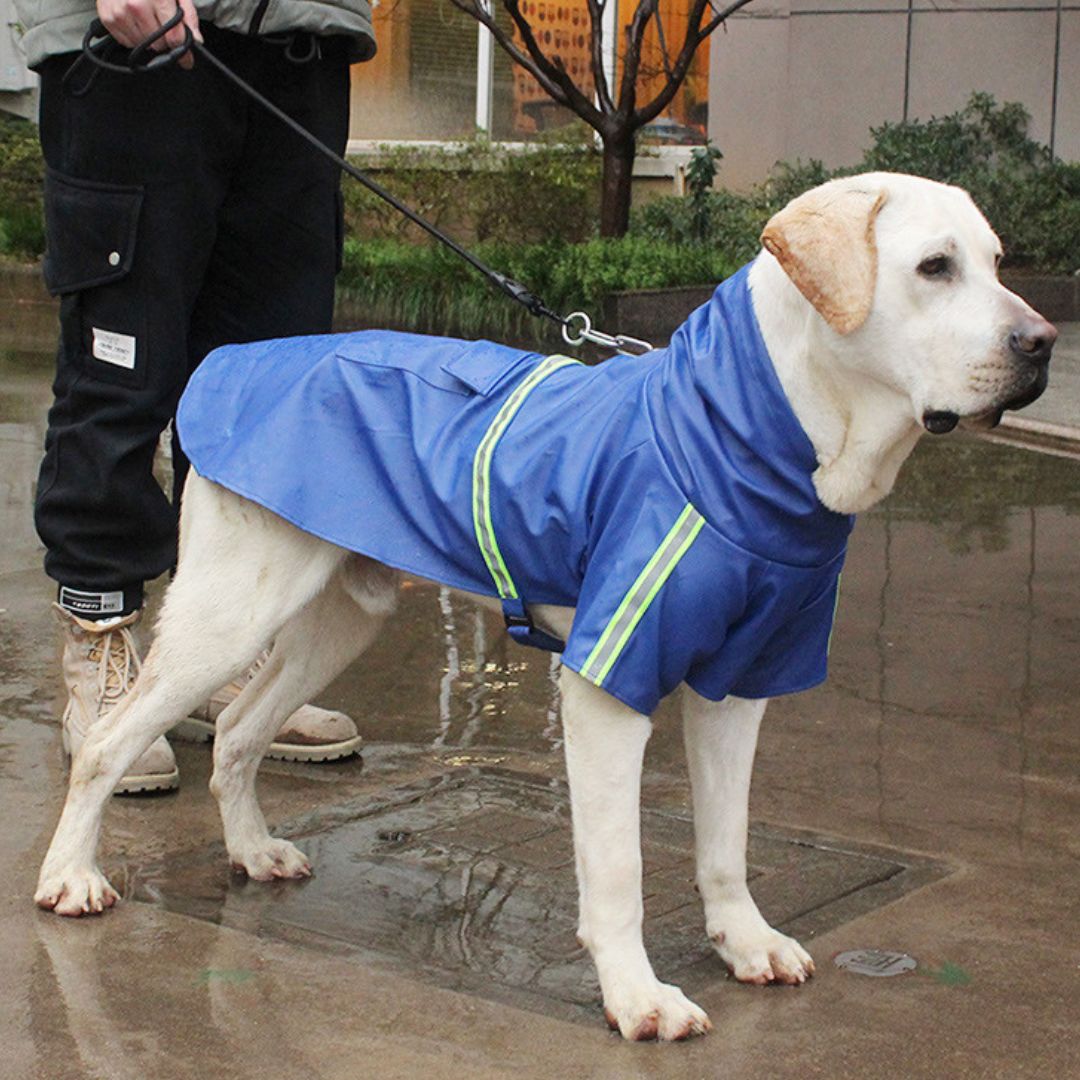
[(654, 314), (1055, 296), (28, 319), (28, 314)]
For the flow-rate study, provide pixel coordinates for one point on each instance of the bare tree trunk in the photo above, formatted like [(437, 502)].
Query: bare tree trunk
[(615, 185)]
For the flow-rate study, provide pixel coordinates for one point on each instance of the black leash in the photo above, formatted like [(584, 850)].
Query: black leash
[(103, 52)]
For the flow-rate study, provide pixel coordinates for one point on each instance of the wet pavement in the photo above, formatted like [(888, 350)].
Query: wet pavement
[(943, 757)]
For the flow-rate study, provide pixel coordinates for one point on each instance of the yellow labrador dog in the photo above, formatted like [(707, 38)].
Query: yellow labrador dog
[(879, 314)]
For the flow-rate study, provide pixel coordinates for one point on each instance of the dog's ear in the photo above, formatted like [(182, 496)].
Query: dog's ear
[(824, 240)]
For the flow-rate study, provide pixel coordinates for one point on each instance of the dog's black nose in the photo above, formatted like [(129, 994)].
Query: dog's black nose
[(1034, 341)]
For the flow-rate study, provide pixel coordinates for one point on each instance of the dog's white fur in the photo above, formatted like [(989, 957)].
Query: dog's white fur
[(861, 363)]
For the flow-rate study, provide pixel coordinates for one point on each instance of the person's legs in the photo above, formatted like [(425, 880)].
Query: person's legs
[(136, 174), (137, 170), (181, 216)]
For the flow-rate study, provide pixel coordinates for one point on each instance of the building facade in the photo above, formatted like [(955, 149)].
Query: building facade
[(782, 80), (808, 78)]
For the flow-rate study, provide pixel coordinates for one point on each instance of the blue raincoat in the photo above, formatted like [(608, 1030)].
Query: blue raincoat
[(667, 497)]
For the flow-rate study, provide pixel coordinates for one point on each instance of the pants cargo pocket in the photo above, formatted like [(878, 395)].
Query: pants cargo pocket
[(93, 230)]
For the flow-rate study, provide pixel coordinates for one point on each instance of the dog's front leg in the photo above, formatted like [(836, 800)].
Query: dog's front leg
[(605, 745), (721, 737)]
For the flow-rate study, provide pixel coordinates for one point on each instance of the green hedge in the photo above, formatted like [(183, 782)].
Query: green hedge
[(541, 203), (1032, 200), (478, 190), (22, 227), (428, 288)]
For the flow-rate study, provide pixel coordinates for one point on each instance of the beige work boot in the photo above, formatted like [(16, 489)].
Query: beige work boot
[(100, 665), (309, 734)]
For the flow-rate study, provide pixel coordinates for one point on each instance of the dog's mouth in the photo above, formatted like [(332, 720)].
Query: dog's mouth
[(942, 422), (985, 421)]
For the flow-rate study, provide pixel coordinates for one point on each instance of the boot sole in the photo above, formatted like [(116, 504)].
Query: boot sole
[(136, 784), (194, 730), (144, 785)]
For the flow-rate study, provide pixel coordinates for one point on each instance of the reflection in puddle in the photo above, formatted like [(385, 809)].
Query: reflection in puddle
[(486, 685)]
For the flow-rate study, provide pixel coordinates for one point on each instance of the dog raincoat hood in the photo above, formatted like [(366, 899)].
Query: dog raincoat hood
[(667, 497)]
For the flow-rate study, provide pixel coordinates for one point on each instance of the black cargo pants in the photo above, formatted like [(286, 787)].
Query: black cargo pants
[(180, 216)]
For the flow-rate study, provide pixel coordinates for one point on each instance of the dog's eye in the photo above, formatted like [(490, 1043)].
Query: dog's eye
[(936, 266)]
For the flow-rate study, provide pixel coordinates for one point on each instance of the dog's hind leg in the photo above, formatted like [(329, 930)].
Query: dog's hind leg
[(605, 745), (243, 573), (721, 737), (309, 651)]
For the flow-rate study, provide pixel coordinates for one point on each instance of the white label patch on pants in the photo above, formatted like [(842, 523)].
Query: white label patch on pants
[(79, 602), (114, 348)]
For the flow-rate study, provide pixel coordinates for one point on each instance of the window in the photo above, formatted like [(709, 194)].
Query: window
[(436, 77)]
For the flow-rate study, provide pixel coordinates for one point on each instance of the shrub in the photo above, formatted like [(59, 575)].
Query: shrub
[(1031, 200), (22, 229), (429, 288), (480, 190)]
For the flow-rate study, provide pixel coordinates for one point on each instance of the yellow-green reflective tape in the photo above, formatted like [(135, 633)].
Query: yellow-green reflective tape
[(641, 594), (835, 609), (481, 473)]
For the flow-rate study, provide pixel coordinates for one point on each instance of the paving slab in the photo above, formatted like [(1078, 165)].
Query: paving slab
[(946, 739)]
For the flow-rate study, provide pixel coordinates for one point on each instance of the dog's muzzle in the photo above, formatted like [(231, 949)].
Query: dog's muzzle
[(1031, 345)]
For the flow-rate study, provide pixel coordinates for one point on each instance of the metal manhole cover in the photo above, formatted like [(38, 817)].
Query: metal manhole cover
[(468, 880), (877, 963)]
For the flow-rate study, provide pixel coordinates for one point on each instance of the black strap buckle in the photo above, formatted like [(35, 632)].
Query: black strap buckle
[(520, 627)]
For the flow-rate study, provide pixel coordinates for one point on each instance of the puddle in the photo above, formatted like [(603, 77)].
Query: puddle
[(467, 880)]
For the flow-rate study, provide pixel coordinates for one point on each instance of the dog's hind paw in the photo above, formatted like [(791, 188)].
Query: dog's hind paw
[(660, 1012), (272, 860), (75, 892)]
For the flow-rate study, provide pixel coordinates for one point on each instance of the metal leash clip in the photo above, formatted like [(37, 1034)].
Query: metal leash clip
[(621, 343)]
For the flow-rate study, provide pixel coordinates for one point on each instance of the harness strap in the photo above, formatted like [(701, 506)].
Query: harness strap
[(520, 627), (518, 623)]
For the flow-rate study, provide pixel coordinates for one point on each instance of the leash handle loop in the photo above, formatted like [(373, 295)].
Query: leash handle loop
[(142, 58)]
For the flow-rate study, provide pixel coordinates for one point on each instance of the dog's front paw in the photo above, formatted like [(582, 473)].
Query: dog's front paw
[(756, 953), (271, 860), (75, 892), (657, 1011)]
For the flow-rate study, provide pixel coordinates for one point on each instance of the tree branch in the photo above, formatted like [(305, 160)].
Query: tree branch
[(551, 75), (721, 16), (476, 11), (571, 96), (596, 10), (695, 35), (635, 34)]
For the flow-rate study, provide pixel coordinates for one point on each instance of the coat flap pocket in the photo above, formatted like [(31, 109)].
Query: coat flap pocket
[(91, 229), (417, 354), (482, 366), (461, 367)]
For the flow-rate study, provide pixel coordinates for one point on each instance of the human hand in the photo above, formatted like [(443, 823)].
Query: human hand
[(131, 22)]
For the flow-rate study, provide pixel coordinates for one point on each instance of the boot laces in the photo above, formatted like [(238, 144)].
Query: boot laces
[(118, 665)]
